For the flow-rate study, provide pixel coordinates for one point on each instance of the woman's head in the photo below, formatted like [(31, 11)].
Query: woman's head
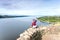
[(34, 20)]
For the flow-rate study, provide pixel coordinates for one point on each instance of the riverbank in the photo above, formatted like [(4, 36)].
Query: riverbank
[(49, 19), (53, 30)]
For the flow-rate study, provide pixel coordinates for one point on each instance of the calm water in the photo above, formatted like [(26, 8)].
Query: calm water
[(10, 28)]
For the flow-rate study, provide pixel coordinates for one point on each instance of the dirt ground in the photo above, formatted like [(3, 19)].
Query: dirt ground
[(51, 37), (53, 33)]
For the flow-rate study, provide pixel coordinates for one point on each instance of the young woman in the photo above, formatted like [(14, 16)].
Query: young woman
[(34, 23)]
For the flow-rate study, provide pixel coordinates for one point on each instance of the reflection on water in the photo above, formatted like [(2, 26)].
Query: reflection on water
[(10, 28)]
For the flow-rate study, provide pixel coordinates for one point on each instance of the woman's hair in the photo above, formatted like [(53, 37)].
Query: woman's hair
[(35, 20)]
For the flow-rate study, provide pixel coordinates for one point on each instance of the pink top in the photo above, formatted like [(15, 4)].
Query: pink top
[(34, 22)]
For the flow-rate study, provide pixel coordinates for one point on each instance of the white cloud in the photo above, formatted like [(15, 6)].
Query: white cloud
[(18, 12), (42, 11)]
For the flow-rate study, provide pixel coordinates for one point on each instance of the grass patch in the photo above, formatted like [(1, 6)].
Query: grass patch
[(51, 19)]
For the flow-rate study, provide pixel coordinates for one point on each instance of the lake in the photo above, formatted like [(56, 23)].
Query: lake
[(10, 28)]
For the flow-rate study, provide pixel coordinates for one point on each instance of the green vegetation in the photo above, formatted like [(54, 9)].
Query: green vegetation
[(49, 19)]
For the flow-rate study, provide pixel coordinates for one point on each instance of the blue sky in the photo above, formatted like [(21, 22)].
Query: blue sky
[(30, 7)]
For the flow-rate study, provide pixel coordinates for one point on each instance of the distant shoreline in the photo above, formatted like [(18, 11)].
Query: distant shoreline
[(6, 16), (49, 19)]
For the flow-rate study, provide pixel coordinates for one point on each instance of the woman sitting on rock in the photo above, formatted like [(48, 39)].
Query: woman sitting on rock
[(34, 23)]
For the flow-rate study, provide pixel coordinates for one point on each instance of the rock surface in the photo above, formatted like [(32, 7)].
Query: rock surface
[(53, 33), (50, 32)]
